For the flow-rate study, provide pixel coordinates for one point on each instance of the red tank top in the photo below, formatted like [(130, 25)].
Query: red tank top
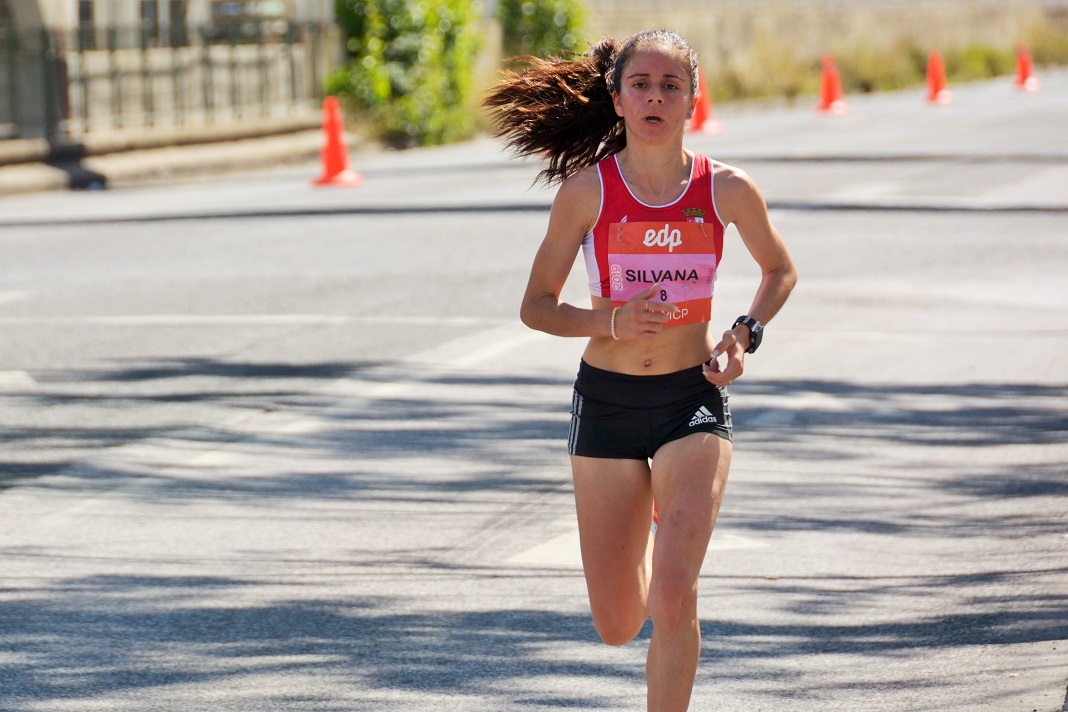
[(678, 245)]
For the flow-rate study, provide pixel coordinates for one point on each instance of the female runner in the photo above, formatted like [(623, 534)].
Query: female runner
[(650, 421)]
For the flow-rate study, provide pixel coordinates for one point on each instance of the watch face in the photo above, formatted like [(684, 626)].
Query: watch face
[(750, 322)]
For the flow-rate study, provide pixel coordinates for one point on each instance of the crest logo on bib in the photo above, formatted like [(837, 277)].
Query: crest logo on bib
[(694, 215)]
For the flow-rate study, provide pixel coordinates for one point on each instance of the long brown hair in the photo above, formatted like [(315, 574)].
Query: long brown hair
[(561, 109)]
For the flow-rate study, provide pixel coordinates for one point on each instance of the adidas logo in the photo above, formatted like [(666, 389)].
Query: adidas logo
[(703, 415)]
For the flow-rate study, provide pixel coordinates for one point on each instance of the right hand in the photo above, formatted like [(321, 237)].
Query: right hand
[(723, 375), (643, 317)]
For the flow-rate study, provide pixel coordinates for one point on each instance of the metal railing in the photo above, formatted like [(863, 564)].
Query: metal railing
[(60, 85)]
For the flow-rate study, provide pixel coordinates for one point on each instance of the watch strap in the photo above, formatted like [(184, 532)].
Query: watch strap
[(756, 331)]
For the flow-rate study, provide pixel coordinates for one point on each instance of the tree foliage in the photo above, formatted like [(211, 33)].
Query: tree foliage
[(542, 28), (411, 67)]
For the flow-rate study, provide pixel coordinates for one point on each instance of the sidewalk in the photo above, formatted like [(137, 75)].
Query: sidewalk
[(123, 159)]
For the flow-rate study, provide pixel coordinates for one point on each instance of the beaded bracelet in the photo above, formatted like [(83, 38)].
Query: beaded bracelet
[(614, 310)]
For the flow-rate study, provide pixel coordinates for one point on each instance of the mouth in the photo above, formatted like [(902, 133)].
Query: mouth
[(653, 119)]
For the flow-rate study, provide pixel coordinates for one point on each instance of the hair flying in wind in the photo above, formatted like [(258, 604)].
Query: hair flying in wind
[(562, 109)]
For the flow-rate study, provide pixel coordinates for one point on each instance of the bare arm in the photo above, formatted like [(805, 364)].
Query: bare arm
[(574, 211), (745, 207), (573, 214)]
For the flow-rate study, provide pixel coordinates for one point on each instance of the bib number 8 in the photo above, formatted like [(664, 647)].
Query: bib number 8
[(663, 295)]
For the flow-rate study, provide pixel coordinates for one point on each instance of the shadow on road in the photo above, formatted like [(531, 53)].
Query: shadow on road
[(113, 629), (110, 634), (510, 419), (504, 434)]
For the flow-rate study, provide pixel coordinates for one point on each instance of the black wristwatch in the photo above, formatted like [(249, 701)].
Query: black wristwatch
[(756, 331)]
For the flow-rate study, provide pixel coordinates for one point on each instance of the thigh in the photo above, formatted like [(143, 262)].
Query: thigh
[(613, 500), (688, 478)]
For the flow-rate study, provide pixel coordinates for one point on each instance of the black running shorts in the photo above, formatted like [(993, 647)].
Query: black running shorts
[(617, 415)]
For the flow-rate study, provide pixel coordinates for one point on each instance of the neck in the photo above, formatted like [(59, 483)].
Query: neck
[(655, 172)]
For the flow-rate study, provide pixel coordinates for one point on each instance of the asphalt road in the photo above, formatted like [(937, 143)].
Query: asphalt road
[(272, 447)]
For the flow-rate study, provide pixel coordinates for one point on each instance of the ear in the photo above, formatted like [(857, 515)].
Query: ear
[(616, 104), (693, 108)]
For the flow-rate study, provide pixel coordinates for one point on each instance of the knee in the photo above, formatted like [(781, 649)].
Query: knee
[(673, 603), (617, 629)]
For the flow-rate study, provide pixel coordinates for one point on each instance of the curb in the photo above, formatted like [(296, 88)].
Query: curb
[(31, 165), (130, 167)]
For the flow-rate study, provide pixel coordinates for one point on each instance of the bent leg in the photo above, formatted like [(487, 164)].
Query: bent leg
[(613, 500), (688, 479)]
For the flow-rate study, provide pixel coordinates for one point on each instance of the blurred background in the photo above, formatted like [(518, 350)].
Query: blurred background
[(85, 77), (271, 445)]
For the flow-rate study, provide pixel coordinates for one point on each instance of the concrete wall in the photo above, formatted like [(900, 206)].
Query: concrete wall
[(740, 33), (62, 15)]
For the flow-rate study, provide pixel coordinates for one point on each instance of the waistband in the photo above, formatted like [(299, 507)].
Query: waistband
[(632, 391)]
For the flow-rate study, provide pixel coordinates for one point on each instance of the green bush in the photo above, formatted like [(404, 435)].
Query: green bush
[(411, 67), (771, 72), (979, 62), (768, 71), (865, 70), (542, 28), (1048, 43)]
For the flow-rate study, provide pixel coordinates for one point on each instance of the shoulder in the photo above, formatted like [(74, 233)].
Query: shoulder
[(736, 193), (586, 181), (579, 197), (732, 180)]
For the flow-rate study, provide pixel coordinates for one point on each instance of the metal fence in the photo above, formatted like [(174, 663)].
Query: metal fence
[(70, 84)]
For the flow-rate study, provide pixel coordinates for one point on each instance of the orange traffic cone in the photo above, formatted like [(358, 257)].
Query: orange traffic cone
[(937, 90), (1025, 77), (703, 119), (831, 101), (335, 154)]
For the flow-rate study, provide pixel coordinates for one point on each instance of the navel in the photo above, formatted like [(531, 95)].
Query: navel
[(648, 362)]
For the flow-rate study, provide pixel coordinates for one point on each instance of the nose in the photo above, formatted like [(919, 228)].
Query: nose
[(655, 97)]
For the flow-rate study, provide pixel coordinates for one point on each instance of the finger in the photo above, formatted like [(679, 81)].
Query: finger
[(722, 375), (665, 307), (713, 375), (652, 327), (713, 363), (641, 323), (732, 370), (654, 304), (647, 312), (724, 344), (656, 317), (648, 293), (719, 373)]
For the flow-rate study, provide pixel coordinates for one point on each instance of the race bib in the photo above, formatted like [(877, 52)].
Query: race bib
[(679, 256)]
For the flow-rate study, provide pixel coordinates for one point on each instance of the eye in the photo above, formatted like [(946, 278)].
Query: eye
[(639, 85)]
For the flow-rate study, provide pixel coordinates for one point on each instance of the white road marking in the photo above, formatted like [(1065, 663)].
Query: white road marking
[(786, 408), (169, 320), (167, 454), (560, 550), (495, 350), (468, 351), (563, 549), (16, 381), (8, 297)]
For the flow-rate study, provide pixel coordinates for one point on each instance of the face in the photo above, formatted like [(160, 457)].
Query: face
[(655, 96)]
